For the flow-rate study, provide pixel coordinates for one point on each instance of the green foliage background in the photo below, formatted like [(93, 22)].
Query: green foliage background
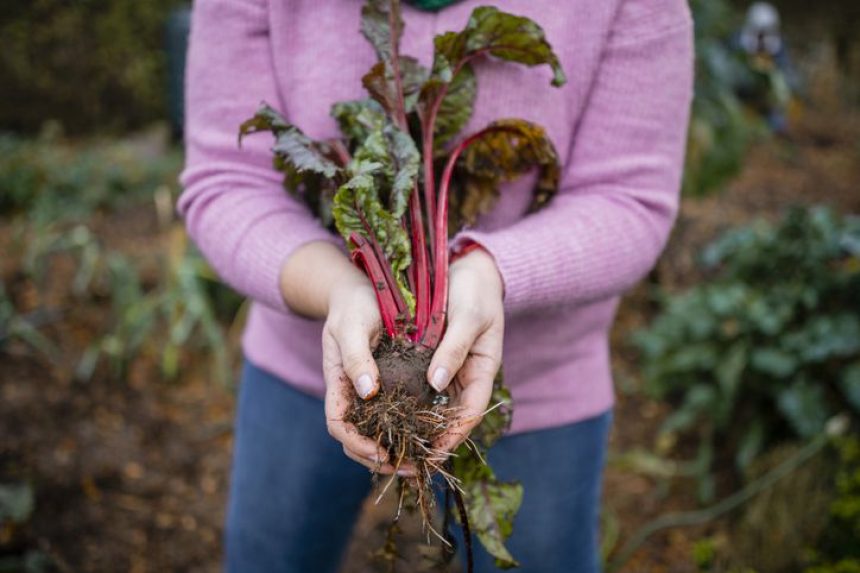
[(94, 65)]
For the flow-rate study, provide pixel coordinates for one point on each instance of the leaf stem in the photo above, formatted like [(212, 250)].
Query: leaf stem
[(364, 255)]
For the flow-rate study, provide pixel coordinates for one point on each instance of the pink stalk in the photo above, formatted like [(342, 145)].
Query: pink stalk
[(402, 309), (365, 256), (419, 264), (438, 309)]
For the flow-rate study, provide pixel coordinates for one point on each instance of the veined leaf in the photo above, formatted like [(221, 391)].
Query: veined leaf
[(309, 167), (489, 31), (382, 25), (491, 505), (388, 159), (358, 118), (507, 149), (456, 107), (293, 146), (379, 83)]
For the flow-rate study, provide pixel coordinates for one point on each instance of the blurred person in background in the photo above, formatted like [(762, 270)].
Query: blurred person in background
[(769, 89)]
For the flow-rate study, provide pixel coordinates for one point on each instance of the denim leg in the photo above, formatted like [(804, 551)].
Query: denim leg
[(561, 469), (294, 495)]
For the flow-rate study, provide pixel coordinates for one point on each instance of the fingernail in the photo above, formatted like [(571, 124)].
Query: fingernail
[(365, 385), (406, 473), (440, 379)]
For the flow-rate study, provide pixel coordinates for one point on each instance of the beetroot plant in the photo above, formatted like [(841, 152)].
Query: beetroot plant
[(396, 185)]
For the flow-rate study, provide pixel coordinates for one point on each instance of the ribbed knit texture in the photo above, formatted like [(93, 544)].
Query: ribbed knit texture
[(619, 126)]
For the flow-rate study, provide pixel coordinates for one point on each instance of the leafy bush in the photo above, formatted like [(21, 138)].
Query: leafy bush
[(770, 348), (53, 179), (838, 550), (92, 65), (166, 309)]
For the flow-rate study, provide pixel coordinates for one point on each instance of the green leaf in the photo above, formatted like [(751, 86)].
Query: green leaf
[(751, 443), (456, 108), (382, 25), (499, 34), (380, 84), (491, 506), (505, 150), (357, 119), (849, 383), (805, 406), (773, 361), (358, 209), (308, 165), (488, 32), (293, 146)]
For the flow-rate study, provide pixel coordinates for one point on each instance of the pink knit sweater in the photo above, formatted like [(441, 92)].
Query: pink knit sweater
[(619, 126)]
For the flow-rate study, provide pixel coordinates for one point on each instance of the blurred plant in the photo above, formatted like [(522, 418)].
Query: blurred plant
[(722, 126), (92, 65), (164, 304), (170, 320), (51, 179), (838, 549), (770, 348), (23, 327)]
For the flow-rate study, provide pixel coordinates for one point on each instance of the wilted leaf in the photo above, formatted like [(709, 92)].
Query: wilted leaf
[(503, 151), (491, 506)]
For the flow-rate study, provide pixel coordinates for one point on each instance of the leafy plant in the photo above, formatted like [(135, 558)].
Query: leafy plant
[(838, 549), (769, 349), (396, 181)]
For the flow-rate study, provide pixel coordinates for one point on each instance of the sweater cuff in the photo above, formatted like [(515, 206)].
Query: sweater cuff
[(514, 264)]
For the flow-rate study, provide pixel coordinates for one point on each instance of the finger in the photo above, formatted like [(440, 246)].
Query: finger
[(473, 400), (357, 360), (371, 464), (337, 402), (452, 352)]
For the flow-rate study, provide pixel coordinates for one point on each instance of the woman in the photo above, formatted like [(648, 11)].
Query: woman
[(539, 291)]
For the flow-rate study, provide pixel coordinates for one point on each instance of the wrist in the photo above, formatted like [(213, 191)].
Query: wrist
[(473, 255)]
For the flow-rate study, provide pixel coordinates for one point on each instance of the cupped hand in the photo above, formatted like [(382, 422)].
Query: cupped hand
[(470, 353), (353, 327)]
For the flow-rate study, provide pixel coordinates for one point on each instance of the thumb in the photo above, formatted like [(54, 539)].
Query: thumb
[(451, 353), (358, 363)]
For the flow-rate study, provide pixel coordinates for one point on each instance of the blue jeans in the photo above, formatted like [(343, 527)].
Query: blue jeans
[(294, 495)]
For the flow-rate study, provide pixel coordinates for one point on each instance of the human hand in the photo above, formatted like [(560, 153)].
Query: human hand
[(470, 353), (352, 328)]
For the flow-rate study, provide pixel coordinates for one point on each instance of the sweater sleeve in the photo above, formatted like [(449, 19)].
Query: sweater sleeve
[(619, 190), (234, 205)]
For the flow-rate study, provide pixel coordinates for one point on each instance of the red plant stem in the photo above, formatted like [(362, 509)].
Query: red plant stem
[(395, 64), (340, 151), (420, 266), (436, 327), (429, 176), (364, 255), (403, 310)]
